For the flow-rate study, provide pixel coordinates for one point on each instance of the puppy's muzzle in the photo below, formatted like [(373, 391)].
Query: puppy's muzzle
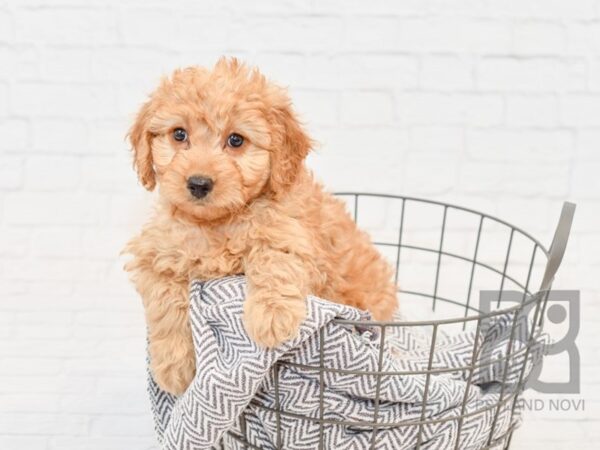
[(199, 186)]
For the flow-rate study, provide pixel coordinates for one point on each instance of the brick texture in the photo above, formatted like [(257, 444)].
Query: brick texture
[(494, 105)]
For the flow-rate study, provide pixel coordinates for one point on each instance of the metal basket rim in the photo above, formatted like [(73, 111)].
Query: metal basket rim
[(536, 297), (448, 205)]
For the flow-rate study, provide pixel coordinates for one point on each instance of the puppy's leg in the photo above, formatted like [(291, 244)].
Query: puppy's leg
[(172, 358), (278, 282)]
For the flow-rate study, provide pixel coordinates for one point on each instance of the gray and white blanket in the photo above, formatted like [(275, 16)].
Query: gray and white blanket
[(235, 392)]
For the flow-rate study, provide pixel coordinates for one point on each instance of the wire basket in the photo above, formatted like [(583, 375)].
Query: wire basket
[(444, 256)]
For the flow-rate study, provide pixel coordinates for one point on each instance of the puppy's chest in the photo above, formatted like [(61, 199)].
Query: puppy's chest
[(214, 254)]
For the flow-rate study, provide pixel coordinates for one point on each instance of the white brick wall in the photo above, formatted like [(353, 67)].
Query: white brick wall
[(491, 104)]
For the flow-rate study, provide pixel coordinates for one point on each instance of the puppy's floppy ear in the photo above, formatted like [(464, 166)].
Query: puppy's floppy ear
[(290, 147), (140, 138)]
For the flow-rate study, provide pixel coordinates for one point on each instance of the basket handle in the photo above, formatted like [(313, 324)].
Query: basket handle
[(559, 244)]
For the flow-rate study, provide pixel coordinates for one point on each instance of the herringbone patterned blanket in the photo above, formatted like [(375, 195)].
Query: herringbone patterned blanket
[(234, 392)]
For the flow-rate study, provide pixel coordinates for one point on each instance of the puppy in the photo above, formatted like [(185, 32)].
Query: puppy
[(228, 154)]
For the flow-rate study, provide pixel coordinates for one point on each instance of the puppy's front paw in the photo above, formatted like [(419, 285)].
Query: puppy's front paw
[(269, 322)]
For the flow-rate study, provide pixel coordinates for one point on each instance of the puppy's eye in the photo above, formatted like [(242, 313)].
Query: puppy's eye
[(179, 134), (235, 140)]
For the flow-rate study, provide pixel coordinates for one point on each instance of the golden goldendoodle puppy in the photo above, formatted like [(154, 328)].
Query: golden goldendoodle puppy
[(228, 154)]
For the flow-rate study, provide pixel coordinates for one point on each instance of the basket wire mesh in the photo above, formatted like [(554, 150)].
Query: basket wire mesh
[(516, 260)]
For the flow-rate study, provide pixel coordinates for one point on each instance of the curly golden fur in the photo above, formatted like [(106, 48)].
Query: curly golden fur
[(265, 216)]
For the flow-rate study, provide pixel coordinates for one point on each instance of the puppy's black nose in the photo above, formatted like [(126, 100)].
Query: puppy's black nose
[(199, 186)]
